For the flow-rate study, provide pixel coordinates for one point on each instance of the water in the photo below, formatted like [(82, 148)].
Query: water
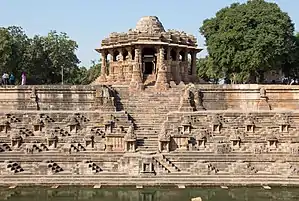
[(170, 194)]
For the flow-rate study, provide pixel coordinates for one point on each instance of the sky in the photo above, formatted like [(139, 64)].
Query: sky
[(90, 21)]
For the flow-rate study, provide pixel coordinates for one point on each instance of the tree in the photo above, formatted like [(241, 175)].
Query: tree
[(60, 50), (90, 75), (5, 49), (246, 40), (43, 58), (207, 71)]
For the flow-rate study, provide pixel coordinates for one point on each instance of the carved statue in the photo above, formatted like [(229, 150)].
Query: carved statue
[(263, 93), (163, 135), (130, 135)]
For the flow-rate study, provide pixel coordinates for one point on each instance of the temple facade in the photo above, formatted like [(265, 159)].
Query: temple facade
[(148, 55)]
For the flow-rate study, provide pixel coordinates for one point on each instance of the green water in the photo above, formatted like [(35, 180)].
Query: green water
[(123, 194)]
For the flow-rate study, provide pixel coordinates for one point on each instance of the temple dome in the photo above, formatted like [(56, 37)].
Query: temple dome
[(149, 24)]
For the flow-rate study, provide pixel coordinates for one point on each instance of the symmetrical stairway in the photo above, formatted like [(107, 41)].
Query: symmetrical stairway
[(148, 111)]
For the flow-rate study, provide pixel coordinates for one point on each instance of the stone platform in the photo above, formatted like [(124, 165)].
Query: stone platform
[(189, 135)]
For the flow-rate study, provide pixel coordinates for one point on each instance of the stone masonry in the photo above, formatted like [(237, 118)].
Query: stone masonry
[(188, 135), (141, 123), (148, 55)]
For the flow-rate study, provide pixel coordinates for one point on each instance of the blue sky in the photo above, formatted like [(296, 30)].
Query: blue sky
[(89, 21)]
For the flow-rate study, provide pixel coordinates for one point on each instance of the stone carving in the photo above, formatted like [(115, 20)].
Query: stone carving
[(185, 103), (263, 93), (263, 103), (202, 167), (104, 99), (198, 99), (241, 168), (149, 133), (281, 167), (150, 30), (34, 100), (130, 135)]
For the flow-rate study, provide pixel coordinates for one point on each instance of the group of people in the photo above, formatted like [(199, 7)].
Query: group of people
[(11, 80)]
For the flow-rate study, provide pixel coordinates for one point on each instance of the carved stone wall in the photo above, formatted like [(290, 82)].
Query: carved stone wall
[(195, 134)]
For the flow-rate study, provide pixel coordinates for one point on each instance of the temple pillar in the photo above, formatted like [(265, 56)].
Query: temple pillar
[(111, 77), (103, 67), (161, 82), (178, 70), (121, 76), (185, 67), (136, 81), (193, 64), (129, 69)]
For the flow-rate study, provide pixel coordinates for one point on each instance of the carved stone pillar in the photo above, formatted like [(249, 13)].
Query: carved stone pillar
[(178, 70), (103, 67), (121, 55), (193, 63), (161, 82), (129, 68), (136, 81), (111, 76), (185, 73)]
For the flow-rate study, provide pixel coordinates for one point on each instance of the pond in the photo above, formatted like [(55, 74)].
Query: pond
[(148, 194)]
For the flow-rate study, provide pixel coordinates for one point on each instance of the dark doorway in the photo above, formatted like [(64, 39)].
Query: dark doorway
[(148, 60), (148, 68)]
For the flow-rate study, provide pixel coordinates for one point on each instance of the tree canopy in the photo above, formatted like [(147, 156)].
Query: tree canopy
[(43, 58), (246, 40)]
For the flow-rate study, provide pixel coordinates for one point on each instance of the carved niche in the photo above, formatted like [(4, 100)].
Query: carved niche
[(52, 139), (180, 140), (215, 123), (89, 141), (16, 141), (114, 141), (235, 138), (130, 139), (201, 138), (283, 121), (164, 139), (249, 124), (37, 124), (4, 126), (73, 124), (272, 139), (185, 127)]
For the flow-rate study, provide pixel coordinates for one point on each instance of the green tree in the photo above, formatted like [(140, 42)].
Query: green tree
[(60, 50), (246, 40), (5, 49), (90, 75), (207, 70)]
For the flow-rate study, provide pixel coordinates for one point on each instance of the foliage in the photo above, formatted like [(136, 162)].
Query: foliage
[(43, 58), (90, 75), (246, 40)]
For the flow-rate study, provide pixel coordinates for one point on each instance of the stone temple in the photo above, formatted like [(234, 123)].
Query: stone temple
[(147, 121), (148, 55)]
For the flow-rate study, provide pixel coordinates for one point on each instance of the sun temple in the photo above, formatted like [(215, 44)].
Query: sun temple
[(148, 121), (148, 55)]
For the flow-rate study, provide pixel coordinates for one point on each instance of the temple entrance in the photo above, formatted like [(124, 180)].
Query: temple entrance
[(149, 61), (148, 68)]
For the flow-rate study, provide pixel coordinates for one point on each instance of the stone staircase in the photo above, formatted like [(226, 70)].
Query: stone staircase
[(166, 164), (148, 110)]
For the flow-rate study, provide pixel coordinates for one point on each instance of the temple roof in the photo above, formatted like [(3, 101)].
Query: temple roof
[(149, 30), (149, 24)]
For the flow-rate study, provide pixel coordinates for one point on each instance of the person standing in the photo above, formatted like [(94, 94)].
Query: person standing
[(5, 78), (12, 79), (23, 78)]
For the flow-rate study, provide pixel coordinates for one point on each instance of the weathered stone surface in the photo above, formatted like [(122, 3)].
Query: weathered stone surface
[(149, 55), (116, 133)]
